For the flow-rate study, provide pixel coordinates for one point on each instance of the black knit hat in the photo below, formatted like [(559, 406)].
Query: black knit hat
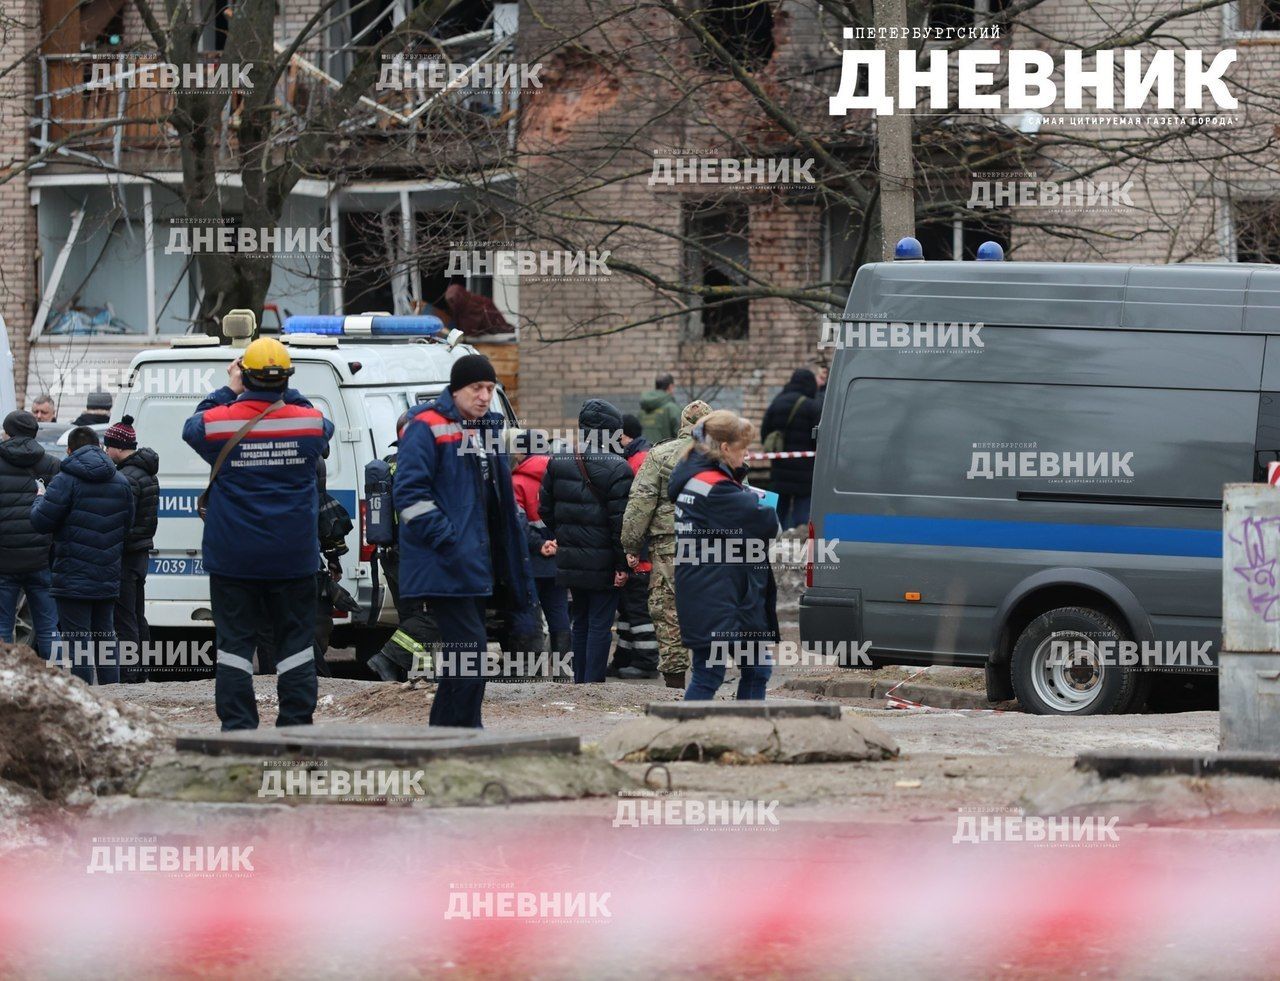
[(21, 423), (631, 426), (469, 369)]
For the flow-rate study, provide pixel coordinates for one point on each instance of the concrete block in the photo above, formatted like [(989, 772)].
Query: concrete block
[(1250, 550), (741, 739), (1154, 763), (851, 688), (397, 743), (774, 708), (445, 781)]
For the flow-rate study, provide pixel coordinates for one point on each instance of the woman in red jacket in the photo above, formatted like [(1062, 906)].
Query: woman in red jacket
[(526, 478)]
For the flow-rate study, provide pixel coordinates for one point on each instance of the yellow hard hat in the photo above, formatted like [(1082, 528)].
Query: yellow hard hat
[(267, 357)]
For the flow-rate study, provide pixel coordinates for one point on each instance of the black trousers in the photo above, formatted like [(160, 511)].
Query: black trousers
[(241, 610), (417, 631), (460, 690), (637, 639), (268, 653), (131, 611), (88, 636)]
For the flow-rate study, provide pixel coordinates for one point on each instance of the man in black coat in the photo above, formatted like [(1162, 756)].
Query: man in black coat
[(139, 466), (24, 552), (97, 410), (794, 412), (583, 499), (88, 508)]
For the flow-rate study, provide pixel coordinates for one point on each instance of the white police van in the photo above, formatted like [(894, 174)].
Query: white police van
[(8, 384), (362, 372)]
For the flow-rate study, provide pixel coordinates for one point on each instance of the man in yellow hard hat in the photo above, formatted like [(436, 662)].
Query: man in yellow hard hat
[(263, 441)]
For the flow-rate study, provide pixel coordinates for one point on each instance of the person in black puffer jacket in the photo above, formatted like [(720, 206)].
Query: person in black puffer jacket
[(586, 523), (794, 411), (139, 466), (24, 552), (88, 509)]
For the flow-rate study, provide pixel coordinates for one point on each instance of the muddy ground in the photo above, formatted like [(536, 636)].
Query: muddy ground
[(866, 872), (958, 758)]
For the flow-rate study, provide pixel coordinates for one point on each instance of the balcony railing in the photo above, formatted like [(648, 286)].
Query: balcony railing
[(77, 119)]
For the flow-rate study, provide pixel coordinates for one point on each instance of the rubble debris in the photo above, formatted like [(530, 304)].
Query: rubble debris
[(1158, 801), (63, 739), (737, 739), (441, 782)]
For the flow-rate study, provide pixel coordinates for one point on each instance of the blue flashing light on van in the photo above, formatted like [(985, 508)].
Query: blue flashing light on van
[(368, 325)]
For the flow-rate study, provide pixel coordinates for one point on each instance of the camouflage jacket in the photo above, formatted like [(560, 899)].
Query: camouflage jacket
[(650, 513)]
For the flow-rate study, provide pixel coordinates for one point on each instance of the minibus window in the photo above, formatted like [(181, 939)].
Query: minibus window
[(1266, 447)]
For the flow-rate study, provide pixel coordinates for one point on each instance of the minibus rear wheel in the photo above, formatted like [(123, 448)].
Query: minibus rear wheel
[(1059, 667)]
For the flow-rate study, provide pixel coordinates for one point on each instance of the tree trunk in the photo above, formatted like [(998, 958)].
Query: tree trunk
[(893, 136)]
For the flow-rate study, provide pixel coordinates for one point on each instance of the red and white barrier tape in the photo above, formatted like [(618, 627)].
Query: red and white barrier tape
[(788, 455), (893, 701)]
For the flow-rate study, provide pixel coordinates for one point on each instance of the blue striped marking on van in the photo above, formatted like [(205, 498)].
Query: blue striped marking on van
[(892, 529), (181, 503)]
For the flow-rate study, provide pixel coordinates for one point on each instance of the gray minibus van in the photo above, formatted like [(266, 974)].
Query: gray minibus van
[(1014, 457)]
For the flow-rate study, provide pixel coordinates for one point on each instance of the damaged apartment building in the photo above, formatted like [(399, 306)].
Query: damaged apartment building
[(636, 97), (101, 250)]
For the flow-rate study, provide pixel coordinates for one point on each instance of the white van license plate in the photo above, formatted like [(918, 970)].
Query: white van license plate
[(177, 567)]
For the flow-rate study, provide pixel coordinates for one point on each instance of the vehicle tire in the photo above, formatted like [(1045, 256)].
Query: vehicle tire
[(1080, 686)]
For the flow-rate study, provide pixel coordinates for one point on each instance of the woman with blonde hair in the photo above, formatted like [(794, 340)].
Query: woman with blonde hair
[(726, 598)]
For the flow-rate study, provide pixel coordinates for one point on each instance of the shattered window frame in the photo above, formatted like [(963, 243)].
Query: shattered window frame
[(713, 223)]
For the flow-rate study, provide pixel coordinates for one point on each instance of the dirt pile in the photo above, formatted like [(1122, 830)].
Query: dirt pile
[(63, 739)]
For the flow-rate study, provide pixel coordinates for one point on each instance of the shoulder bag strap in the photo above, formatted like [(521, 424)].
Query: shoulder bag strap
[(599, 495), (203, 499), (794, 409)]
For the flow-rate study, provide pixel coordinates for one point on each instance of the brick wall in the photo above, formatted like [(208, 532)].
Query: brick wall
[(597, 125), (599, 121), (17, 216)]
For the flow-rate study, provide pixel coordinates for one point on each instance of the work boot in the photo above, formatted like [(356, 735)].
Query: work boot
[(386, 669), (634, 674), (674, 679)]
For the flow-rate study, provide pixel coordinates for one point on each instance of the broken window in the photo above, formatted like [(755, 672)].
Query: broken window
[(962, 13), (439, 237), (464, 17), (843, 248), (959, 238), (101, 24), (743, 27), (722, 252), (368, 250), (1257, 228), (217, 24), (1258, 15)]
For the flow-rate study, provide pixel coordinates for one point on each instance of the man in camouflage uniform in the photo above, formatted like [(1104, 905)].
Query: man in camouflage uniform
[(650, 514)]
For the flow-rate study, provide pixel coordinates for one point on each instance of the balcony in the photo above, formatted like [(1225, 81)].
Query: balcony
[(126, 122)]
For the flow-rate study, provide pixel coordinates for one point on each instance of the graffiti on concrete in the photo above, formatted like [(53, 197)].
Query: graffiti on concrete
[(1260, 539)]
